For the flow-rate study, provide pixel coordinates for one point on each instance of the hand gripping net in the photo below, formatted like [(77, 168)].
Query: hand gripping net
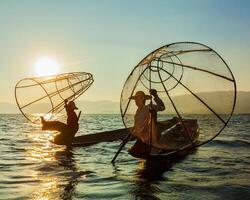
[(196, 86), (44, 96)]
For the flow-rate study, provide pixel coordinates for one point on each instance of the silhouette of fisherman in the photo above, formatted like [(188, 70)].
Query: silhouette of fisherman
[(145, 121), (67, 131)]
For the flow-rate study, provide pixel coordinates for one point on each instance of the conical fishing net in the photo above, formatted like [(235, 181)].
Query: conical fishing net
[(197, 88), (45, 96)]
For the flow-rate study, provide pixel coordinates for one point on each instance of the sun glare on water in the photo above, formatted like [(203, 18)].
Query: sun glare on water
[(46, 66)]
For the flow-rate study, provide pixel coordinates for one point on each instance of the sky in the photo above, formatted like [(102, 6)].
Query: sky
[(108, 38)]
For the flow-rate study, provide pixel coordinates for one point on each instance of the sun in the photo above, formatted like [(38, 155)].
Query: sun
[(46, 66)]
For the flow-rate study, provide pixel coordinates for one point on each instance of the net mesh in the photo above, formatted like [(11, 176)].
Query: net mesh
[(44, 96), (197, 88)]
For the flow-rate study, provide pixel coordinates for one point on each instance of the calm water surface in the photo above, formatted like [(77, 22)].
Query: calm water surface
[(33, 168)]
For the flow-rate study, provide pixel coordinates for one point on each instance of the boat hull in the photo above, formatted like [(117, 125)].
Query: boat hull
[(174, 142), (106, 136)]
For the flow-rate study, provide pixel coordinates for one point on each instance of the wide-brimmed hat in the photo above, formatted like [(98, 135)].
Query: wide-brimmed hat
[(72, 105), (140, 95)]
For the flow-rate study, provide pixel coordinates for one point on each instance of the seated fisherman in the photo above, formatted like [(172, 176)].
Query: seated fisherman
[(67, 131), (145, 120)]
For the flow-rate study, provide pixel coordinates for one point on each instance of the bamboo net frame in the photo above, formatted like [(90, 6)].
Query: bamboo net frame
[(174, 56), (74, 85)]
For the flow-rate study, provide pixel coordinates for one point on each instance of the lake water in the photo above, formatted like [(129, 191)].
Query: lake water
[(33, 168)]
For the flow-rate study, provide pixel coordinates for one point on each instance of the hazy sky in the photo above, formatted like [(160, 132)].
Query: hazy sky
[(108, 38)]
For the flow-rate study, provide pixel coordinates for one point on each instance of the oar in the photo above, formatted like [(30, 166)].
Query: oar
[(78, 117), (124, 142)]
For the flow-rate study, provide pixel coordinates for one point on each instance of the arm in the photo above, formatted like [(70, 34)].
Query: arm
[(159, 103), (66, 105)]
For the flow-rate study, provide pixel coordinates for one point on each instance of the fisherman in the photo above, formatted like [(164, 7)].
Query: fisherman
[(67, 131), (145, 121)]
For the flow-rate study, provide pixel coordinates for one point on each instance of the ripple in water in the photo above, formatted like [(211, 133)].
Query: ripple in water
[(33, 168)]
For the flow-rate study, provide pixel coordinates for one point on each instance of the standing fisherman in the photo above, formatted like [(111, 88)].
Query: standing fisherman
[(145, 121)]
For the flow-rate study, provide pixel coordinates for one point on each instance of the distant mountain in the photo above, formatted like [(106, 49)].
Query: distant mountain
[(185, 103), (88, 107), (99, 107), (8, 108), (220, 101), (243, 103)]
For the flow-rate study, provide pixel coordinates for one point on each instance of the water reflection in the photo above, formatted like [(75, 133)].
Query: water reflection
[(153, 170), (59, 178), (54, 168), (66, 159), (148, 174)]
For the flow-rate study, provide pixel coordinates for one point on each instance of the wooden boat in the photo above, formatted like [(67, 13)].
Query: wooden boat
[(106, 136), (174, 141), (173, 136)]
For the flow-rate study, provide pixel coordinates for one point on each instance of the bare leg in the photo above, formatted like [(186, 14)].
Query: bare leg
[(54, 126)]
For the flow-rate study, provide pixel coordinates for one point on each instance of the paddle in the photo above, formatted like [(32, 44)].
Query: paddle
[(124, 142), (78, 117)]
